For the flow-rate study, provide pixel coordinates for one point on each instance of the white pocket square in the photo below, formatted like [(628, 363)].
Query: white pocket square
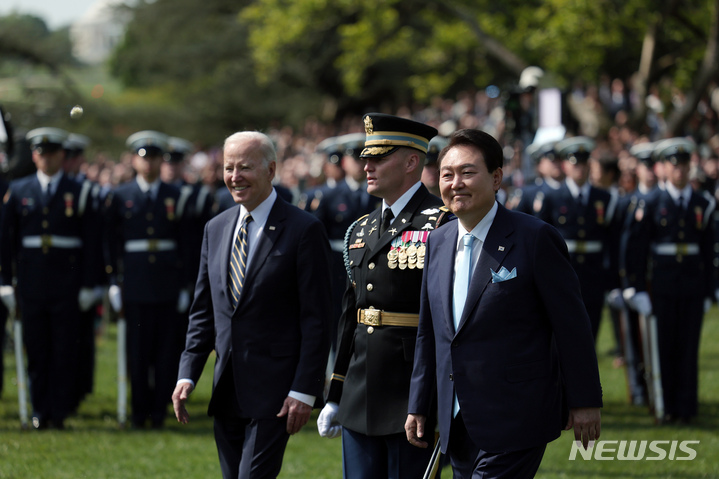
[(503, 275)]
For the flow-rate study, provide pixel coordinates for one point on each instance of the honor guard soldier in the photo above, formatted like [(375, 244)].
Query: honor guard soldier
[(337, 208), (75, 147), (529, 199), (197, 197), (146, 235), (676, 244), (47, 235), (632, 350), (430, 173), (384, 257), (584, 215)]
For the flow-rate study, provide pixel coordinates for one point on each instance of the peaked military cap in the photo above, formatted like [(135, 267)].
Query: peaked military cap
[(148, 143), (46, 139), (332, 148), (177, 149), (387, 133), (643, 152), (352, 144), (76, 143), (436, 144), (537, 151), (674, 150), (575, 149)]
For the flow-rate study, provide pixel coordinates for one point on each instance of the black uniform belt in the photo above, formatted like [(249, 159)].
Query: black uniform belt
[(377, 317)]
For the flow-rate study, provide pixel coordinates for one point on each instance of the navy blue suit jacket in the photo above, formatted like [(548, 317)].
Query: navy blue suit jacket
[(513, 339), (279, 332)]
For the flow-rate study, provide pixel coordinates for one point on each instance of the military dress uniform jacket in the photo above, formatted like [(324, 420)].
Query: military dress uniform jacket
[(49, 244), (374, 363), (148, 241), (592, 238), (679, 245)]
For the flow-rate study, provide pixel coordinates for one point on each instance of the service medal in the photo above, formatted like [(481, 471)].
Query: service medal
[(68, 204), (170, 207)]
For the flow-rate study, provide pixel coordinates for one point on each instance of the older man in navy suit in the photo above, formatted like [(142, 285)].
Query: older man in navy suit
[(261, 303), (502, 331)]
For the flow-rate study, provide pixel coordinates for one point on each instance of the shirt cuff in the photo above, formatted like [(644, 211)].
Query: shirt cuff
[(185, 380), (305, 398)]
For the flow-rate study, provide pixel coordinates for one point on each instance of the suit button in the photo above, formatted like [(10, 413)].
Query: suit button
[(370, 266), (370, 330), (370, 287), (451, 377)]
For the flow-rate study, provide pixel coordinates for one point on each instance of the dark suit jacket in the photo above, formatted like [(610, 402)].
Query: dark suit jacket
[(513, 339), (279, 332)]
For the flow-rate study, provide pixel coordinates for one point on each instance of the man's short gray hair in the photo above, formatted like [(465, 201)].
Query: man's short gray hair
[(267, 148)]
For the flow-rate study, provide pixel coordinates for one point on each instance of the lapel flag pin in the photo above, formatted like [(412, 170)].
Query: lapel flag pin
[(501, 248)]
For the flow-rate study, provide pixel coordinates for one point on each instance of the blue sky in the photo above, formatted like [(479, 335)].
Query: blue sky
[(56, 13)]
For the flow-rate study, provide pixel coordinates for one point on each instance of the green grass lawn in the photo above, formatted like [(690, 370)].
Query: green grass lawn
[(94, 447)]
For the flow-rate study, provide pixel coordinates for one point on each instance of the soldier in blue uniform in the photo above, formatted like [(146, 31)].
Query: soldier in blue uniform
[(74, 147), (584, 215), (48, 235), (529, 199), (676, 241), (146, 235), (430, 173), (337, 208), (631, 340), (198, 206), (384, 253)]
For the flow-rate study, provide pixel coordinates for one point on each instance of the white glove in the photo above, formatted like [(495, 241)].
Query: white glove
[(615, 299), (639, 302), (86, 298), (327, 423), (183, 301), (7, 296), (114, 294)]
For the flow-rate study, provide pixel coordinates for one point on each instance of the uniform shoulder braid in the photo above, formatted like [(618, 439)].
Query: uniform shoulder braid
[(347, 239)]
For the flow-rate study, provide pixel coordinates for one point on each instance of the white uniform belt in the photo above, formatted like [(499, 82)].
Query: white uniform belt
[(580, 247), (143, 245), (52, 241), (337, 245), (671, 249)]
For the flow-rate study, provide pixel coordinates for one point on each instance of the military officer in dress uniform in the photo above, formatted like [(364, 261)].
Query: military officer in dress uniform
[(529, 199), (74, 147), (146, 235), (339, 207), (631, 340), (384, 254), (198, 199), (430, 173), (584, 215), (676, 240), (48, 233)]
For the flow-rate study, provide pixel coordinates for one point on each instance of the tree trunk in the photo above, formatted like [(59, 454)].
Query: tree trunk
[(707, 72)]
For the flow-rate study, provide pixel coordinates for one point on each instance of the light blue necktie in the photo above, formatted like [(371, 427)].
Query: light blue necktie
[(461, 279), (461, 285)]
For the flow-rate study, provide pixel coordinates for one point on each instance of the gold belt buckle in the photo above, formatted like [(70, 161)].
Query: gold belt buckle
[(683, 248), (581, 247), (46, 241), (372, 317), (152, 245)]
